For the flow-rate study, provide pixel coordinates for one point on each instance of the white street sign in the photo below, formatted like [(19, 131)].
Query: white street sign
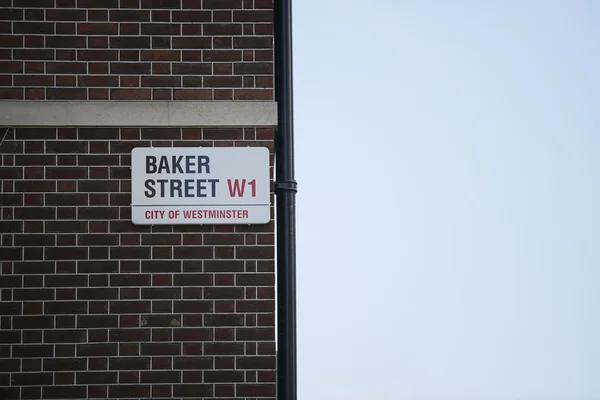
[(200, 185)]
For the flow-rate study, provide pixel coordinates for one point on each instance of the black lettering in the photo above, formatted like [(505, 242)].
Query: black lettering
[(213, 183), (177, 164), (175, 186), (189, 164), (163, 165), (189, 187), (150, 164), (203, 162), (162, 183), (200, 187), (151, 192)]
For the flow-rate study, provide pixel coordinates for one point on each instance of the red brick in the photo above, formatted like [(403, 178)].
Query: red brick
[(192, 94), (191, 16), (33, 27), (222, 29), (97, 55), (130, 94), (98, 28), (222, 4), (66, 94), (161, 55), (222, 55), (192, 42), (129, 15)]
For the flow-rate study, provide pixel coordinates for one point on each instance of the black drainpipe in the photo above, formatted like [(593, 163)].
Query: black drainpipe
[(285, 189)]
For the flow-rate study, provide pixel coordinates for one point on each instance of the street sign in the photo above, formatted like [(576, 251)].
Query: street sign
[(200, 185)]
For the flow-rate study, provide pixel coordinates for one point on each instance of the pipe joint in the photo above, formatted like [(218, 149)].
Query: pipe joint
[(286, 186)]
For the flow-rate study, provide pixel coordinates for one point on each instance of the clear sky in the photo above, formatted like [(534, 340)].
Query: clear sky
[(447, 155)]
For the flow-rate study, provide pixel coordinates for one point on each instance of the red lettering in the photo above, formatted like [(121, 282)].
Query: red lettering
[(236, 189)]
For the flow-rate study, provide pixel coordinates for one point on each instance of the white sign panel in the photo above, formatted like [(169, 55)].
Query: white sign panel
[(200, 185)]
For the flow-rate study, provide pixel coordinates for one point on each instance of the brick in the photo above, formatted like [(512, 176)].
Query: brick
[(161, 4), (11, 93), (129, 335), (223, 320), (9, 253), (66, 226), (10, 308), (255, 362), (253, 94), (97, 321), (161, 320), (64, 392), (129, 391), (33, 322), (222, 29), (252, 16), (65, 307), (121, 307), (32, 351), (96, 186), (255, 390), (222, 81), (65, 15), (253, 68), (161, 55), (252, 42), (64, 364), (11, 41), (97, 55), (192, 334), (224, 348), (68, 253), (96, 378), (161, 266), (223, 376), (192, 390), (130, 94), (66, 94), (37, 378), (222, 4), (66, 281), (98, 28), (95, 266), (136, 68), (160, 377), (161, 29), (191, 16), (129, 15), (129, 42), (97, 349), (98, 81), (7, 337), (129, 363), (95, 4), (10, 365), (161, 81), (12, 14), (165, 349), (31, 28), (11, 67), (192, 43), (65, 336), (221, 55)]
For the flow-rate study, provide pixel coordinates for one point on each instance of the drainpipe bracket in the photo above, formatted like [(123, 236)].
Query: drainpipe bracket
[(286, 186)]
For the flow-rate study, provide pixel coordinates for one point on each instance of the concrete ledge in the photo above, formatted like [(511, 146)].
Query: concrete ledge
[(138, 113)]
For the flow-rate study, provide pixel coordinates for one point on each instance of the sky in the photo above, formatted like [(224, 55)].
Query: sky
[(449, 201)]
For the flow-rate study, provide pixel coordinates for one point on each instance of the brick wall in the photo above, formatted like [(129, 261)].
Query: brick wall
[(92, 306), (136, 49)]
